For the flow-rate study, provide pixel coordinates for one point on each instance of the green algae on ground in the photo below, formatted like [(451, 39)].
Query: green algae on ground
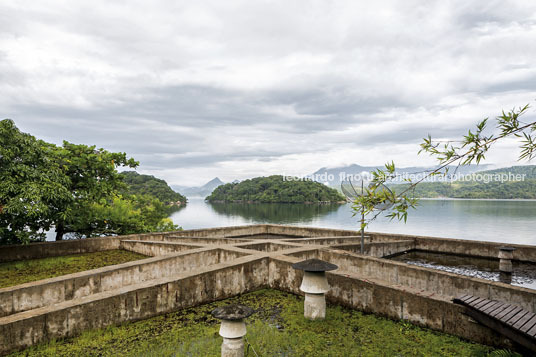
[(276, 329), (25, 271)]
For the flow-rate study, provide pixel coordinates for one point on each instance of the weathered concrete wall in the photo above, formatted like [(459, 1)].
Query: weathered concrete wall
[(392, 301), (379, 249), (463, 246), (454, 246), (134, 302), (431, 280), (154, 249), (76, 246), (73, 286)]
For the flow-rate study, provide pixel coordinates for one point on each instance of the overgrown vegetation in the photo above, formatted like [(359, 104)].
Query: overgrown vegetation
[(149, 185), (276, 329), (25, 271), (275, 189), (74, 189)]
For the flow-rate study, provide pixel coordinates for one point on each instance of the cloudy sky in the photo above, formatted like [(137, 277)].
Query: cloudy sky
[(236, 89)]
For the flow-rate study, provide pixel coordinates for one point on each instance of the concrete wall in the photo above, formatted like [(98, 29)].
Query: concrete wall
[(73, 286), (395, 302), (378, 249), (135, 302), (462, 246), (154, 249), (431, 280), (76, 246)]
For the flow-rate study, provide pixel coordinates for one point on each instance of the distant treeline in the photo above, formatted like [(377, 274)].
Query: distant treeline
[(275, 189), (490, 188)]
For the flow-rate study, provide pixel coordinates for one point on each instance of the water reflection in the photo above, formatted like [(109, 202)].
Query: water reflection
[(275, 213), (488, 220)]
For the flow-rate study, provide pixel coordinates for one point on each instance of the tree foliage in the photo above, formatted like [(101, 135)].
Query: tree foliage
[(32, 186), (72, 188), (138, 184), (472, 148), (275, 189)]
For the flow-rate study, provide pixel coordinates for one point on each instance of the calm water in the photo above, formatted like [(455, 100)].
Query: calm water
[(491, 220)]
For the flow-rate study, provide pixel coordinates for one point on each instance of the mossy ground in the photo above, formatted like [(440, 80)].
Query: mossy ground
[(25, 271), (276, 329)]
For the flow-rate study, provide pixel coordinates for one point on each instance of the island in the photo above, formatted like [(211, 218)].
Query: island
[(275, 189)]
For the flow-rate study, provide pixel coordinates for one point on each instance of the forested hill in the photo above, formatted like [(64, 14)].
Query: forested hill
[(150, 185), (489, 187), (275, 189)]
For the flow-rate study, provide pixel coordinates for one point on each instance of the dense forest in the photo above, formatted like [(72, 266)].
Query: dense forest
[(73, 189), (139, 184), (275, 189), (524, 189)]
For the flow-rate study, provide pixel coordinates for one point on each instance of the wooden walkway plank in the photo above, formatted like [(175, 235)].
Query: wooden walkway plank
[(532, 331), (514, 315), (509, 320), (505, 308), (505, 312), (514, 320), (522, 321), (528, 325), (493, 306), (471, 299), (482, 304)]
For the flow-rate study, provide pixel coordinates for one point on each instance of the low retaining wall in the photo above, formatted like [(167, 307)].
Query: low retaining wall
[(154, 249), (394, 302), (476, 248), (73, 286), (380, 249), (431, 280), (76, 246), (136, 302)]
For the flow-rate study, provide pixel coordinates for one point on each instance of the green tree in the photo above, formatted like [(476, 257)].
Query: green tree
[(92, 177), (74, 188), (122, 215), (32, 186)]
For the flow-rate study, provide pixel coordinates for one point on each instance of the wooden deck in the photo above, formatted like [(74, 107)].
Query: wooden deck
[(509, 320)]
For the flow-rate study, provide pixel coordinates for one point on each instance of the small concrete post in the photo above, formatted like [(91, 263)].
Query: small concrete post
[(506, 254), (233, 328), (315, 286)]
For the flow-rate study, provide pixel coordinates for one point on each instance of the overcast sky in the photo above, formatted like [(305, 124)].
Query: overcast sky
[(236, 89)]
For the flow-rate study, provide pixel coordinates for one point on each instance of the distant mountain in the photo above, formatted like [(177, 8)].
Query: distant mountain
[(200, 191), (334, 176)]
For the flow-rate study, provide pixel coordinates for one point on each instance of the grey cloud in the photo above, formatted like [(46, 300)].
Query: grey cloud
[(236, 83)]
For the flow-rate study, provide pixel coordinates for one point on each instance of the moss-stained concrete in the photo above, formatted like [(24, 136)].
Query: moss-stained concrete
[(276, 329), (20, 272)]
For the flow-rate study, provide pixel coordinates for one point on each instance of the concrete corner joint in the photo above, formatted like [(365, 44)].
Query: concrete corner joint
[(315, 286)]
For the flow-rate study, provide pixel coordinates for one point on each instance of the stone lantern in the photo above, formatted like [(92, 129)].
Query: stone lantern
[(315, 286), (233, 328), (506, 254)]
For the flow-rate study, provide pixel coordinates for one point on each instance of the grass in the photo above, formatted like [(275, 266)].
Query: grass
[(20, 272), (276, 329)]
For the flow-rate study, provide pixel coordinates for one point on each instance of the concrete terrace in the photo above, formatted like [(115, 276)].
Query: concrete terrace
[(193, 267)]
